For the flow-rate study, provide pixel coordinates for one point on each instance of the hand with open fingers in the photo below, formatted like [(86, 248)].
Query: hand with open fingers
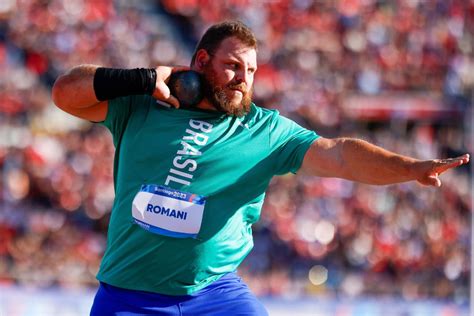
[(162, 91), (431, 169)]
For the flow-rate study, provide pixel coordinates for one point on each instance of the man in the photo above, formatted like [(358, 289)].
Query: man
[(191, 182)]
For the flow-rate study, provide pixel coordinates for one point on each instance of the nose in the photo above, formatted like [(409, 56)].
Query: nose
[(243, 76)]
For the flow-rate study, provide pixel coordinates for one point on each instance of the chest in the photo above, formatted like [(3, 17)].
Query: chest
[(193, 152)]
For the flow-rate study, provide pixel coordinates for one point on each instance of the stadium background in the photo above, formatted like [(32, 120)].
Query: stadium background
[(397, 73)]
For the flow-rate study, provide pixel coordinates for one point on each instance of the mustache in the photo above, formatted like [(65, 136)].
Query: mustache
[(239, 86)]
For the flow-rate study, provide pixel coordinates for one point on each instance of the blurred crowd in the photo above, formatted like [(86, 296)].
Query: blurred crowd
[(316, 236)]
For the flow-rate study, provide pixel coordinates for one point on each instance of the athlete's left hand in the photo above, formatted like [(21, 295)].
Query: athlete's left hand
[(429, 170)]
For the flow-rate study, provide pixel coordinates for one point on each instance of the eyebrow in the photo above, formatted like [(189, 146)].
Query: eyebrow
[(235, 59)]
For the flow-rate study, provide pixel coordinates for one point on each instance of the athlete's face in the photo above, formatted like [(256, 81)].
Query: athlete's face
[(229, 75)]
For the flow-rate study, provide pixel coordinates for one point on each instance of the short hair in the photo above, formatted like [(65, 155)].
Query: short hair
[(217, 33)]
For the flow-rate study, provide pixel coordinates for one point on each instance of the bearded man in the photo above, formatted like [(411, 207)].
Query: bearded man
[(190, 183)]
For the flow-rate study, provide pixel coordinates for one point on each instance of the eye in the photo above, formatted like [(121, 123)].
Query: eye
[(234, 66)]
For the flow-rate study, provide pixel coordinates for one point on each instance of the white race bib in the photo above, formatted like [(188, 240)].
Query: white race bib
[(169, 212)]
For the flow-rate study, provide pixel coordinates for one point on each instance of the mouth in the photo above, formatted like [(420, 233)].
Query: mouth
[(237, 90)]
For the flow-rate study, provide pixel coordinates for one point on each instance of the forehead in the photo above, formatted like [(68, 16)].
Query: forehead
[(233, 48)]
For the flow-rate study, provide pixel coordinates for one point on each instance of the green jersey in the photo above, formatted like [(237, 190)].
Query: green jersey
[(213, 169)]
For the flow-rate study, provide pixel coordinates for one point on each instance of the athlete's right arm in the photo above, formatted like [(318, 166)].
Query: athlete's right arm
[(74, 92)]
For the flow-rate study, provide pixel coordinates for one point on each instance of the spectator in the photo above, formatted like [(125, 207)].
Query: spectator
[(394, 240)]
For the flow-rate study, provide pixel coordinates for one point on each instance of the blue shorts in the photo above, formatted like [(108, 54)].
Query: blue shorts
[(227, 296)]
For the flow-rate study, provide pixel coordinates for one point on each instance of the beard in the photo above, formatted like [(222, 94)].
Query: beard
[(217, 96)]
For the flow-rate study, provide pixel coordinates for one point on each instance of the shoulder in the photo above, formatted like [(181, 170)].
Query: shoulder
[(258, 113)]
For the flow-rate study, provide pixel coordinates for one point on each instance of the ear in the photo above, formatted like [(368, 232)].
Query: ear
[(201, 60)]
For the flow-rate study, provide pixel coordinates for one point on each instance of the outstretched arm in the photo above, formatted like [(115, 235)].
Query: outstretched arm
[(74, 91), (358, 160)]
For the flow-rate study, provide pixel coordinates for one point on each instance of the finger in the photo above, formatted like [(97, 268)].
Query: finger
[(465, 158), (446, 164), (173, 101), (434, 180), (163, 94), (167, 96), (180, 68), (163, 72)]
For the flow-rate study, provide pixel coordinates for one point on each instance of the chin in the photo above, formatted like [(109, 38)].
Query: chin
[(235, 97), (236, 102)]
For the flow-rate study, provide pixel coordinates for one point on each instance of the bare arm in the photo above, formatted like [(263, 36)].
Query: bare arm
[(358, 160), (74, 92)]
